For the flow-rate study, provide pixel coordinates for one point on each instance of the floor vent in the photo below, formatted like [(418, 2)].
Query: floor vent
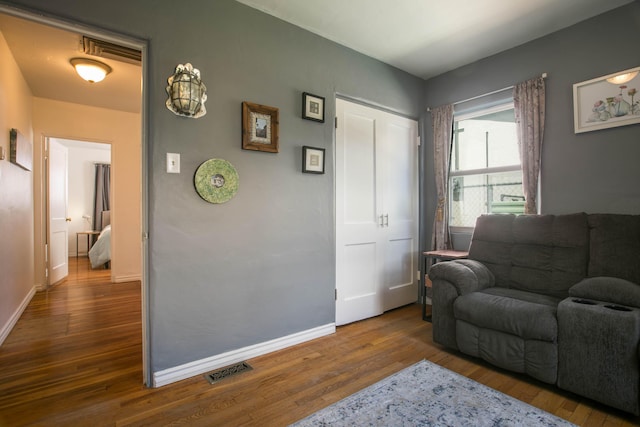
[(220, 374)]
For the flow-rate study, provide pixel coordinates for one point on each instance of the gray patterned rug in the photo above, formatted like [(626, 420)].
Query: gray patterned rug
[(426, 394)]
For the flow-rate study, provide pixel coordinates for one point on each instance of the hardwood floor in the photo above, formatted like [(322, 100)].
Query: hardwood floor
[(74, 359)]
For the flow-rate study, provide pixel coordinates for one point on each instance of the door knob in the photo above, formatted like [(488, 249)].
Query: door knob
[(68, 219)]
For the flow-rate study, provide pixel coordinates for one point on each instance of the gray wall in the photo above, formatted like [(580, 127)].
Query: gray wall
[(591, 172), (261, 266)]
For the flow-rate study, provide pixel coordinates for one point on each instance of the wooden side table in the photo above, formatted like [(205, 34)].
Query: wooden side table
[(428, 259), (89, 235)]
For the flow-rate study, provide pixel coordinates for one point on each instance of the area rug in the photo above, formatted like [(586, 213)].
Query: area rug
[(426, 394)]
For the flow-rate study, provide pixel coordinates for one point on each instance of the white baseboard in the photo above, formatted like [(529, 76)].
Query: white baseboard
[(130, 278), (6, 329), (197, 367)]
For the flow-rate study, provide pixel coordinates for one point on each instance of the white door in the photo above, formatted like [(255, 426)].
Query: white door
[(58, 240), (376, 211)]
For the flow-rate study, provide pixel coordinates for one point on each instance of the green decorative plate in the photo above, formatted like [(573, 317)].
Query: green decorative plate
[(216, 181)]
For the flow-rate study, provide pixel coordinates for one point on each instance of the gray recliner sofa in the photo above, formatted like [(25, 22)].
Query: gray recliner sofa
[(556, 297)]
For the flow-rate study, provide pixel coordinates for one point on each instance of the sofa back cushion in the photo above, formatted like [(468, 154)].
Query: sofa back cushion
[(615, 246), (546, 254)]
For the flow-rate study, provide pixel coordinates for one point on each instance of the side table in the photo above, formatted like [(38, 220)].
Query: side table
[(89, 235), (428, 259)]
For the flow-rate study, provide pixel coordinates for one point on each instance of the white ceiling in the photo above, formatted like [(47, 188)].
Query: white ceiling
[(43, 53), (429, 37), (422, 37)]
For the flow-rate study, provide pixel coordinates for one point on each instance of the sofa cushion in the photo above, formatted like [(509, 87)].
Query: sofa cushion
[(510, 312), (615, 246), (491, 244), (538, 253), (533, 357), (608, 289)]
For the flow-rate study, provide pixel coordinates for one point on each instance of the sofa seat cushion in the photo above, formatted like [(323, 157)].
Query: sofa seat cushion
[(520, 313)]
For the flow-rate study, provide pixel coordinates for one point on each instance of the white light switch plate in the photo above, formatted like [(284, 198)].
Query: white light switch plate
[(173, 162)]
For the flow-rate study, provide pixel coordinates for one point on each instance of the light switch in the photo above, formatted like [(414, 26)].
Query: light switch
[(173, 162)]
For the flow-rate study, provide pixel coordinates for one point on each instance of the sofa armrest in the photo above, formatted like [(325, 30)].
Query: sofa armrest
[(450, 280), (608, 289), (465, 275)]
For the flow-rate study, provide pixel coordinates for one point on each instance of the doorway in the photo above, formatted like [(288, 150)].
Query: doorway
[(78, 117), (74, 195)]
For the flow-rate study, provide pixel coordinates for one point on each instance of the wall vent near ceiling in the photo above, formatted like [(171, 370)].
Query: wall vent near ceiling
[(108, 50), (220, 374)]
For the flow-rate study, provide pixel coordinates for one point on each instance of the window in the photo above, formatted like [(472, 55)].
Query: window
[(485, 173)]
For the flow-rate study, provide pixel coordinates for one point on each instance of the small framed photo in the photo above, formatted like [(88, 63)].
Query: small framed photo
[(312, 107), (608, 101), (259, 127), (21, 150), (312, 160)]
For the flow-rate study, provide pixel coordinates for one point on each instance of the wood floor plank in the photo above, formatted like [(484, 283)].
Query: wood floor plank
[(75, 359)]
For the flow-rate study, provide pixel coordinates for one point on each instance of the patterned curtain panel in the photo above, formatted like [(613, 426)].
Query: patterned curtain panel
[(528, 100), (102, 200), (442, 118)]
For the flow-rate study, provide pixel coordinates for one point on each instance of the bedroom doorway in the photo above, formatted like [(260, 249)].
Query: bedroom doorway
[(77, 197)]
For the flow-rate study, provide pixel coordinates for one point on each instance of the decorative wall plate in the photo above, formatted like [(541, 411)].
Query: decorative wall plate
[(216, 181)]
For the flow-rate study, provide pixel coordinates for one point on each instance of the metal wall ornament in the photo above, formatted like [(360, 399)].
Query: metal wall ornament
[(187, 93)]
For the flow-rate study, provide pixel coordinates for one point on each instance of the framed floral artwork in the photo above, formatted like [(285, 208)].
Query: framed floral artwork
[(259, 127), (608, 101)]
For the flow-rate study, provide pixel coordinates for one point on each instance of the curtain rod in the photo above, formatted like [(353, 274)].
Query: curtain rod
[(544, 76)]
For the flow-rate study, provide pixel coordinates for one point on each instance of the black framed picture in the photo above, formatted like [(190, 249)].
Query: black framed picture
[(312, 160), (312, 107)]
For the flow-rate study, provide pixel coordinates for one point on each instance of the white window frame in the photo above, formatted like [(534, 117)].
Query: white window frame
[(509, 105)]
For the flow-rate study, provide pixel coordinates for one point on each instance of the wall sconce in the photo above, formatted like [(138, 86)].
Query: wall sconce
[(187, 93), (622, 78), (90, 70)]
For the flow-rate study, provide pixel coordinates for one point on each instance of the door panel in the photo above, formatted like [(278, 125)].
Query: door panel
[(58, 240), (357, 202), (358, 169), (400, 196), (399, 283), (400, 173)]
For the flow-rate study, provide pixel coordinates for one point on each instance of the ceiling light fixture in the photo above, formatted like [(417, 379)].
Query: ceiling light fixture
[(622, 78), (90, 70)]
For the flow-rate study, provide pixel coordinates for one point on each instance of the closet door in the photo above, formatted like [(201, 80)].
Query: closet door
[(400, 231), (376, 211)]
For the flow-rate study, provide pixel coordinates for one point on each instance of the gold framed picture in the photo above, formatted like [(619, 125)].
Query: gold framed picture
[(259, 127)]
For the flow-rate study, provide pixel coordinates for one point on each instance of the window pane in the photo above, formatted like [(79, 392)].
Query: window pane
[(485, 141), (473, 195)]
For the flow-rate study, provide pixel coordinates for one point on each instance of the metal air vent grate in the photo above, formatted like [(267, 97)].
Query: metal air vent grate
[(220, 374), (108, 50)]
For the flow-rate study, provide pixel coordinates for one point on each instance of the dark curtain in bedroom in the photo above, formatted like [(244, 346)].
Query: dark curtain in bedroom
[(102, 200)]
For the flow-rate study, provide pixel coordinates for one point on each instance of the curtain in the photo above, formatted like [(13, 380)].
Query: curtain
[(528, 100), (442, 118), (102, 194)]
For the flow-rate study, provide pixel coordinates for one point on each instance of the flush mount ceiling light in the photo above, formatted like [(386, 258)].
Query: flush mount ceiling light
[(90, 70), (622, 78)]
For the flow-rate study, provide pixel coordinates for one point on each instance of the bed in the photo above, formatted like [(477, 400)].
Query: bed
[(100, 253)]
